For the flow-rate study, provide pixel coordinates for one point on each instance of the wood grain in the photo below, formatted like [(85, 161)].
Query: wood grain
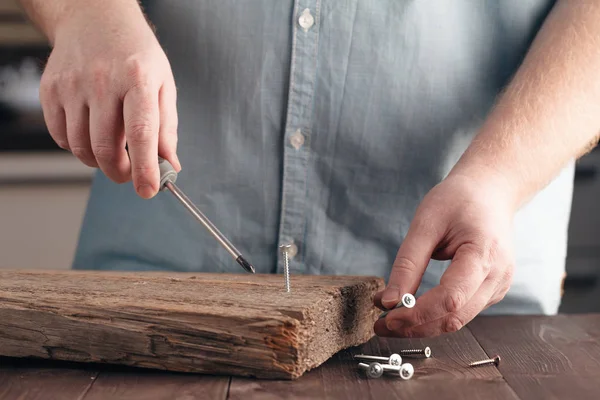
[(157, 386), (445, 375), (543, 357), (538, 345), (34, 382), (214, 323)]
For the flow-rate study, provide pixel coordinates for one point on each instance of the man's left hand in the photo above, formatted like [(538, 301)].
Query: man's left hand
[(464, 220)]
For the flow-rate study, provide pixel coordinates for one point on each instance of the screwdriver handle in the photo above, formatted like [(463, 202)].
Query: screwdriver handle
[(167, 173)]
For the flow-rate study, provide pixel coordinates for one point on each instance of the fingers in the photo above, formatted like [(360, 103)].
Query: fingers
[(167, 136), (463, 278), (141, 118), (54, 114), (108, 139), (412, 259), (78, 133), (452, 322)]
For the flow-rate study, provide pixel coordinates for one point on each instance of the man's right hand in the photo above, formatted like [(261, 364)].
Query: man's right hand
[(108, 83)]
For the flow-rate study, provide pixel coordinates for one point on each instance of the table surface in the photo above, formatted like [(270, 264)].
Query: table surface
[(543, 357)]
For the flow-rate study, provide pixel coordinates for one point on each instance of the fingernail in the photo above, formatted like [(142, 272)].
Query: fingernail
[(390, 298), (145, 191), (395, 325)]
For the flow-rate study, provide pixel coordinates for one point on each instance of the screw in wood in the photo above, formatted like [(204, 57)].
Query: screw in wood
[(410, 352), (394, 359), (490, 361), (408, 301), (286, 265), (373, 370)]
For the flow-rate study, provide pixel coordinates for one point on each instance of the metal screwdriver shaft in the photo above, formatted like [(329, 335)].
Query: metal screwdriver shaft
[(168, 175)]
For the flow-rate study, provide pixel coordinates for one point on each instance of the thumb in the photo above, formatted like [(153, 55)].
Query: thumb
[(411, 261)]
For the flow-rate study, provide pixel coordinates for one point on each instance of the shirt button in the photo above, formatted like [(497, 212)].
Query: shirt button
[(306, 20), (292, 250), (297, 139)]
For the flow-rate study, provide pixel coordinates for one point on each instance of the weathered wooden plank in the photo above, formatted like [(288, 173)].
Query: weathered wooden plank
[(42, 383), (543, 357), (445, 375), (214, 323), (142, 385)]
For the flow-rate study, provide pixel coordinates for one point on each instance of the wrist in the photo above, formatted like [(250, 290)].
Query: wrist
[(493, 180), (86, 14)]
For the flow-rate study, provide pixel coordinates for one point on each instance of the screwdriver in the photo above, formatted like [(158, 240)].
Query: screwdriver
[(168, 176)]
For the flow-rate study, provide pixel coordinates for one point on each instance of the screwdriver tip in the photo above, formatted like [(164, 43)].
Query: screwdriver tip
[(245, 264)]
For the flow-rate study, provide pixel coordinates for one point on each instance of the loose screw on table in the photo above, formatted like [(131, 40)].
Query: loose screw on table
[(489, 361), (410, 352), (286, 265), (394, 359), (375, 369), (408, 301)]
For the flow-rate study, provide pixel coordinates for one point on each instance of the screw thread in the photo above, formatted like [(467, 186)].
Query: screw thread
[(482, 362), (286, 268), (412, 351)]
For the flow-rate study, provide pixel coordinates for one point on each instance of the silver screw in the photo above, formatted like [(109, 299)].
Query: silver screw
[(490, 361), (286, 265), (406, 371), (393, 359), (409, 352), (408, 301), (374, 370)]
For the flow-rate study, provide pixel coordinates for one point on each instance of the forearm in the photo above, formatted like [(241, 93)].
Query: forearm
[(550, 113), (50, 15)]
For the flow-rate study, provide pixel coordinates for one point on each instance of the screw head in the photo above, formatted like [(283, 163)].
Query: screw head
[(406, 371), (427, 352), (496, 359), (375, 370), (395, 360), (408, 300)]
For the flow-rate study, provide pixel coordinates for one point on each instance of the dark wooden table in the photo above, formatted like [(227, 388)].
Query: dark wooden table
[(542, 358)]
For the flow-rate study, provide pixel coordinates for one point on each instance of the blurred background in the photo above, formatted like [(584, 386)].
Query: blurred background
[(44, 190)]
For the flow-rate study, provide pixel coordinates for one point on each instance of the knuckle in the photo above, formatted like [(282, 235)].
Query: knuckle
[(136, 72), (452, 323), (104, 152), (48, 88), (140, 132), (403, 264), (70, 80), (454, 301), (141, 169), (418, 317), (63, 144), (82, 153), (99, 77)]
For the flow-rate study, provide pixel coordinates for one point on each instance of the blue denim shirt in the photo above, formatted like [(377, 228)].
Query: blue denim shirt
[(323, 123)]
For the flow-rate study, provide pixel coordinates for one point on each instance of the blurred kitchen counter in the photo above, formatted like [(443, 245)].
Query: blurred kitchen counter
[(42, 201)]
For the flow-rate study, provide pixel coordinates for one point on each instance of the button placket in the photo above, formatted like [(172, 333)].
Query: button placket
[(299, 115)]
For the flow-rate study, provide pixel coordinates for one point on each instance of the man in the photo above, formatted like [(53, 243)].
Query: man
[(345, 128)]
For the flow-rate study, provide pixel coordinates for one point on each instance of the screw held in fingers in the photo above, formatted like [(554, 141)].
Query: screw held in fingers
[(408, 301), (490, 361)]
